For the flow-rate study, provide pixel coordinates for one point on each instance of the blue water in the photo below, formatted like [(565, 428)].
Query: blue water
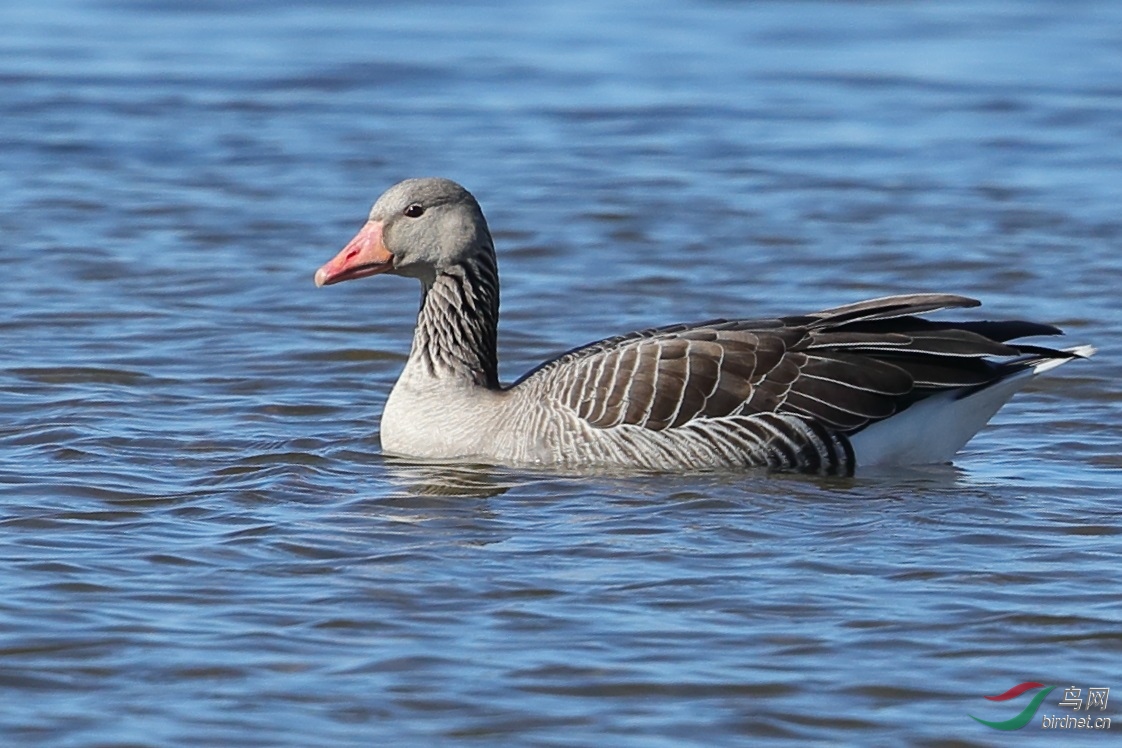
[(200, 541)]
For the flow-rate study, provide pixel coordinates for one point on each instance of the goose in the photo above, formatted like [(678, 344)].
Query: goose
[(865, 384)]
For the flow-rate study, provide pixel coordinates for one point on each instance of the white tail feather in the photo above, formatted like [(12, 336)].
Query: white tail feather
[(933, 430), (1079, 351)]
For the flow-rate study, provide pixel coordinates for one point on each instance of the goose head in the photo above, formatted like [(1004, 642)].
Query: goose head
[(417, 228)]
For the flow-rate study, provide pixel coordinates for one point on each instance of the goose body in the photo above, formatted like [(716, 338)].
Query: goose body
[(871, 383)]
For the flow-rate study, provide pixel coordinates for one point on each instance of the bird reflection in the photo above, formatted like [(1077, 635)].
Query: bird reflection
[(442, 479)]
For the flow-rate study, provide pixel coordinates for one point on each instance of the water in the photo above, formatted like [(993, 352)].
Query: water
[(201, 542)]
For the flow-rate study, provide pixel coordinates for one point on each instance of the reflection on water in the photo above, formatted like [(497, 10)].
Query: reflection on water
[(420, 479), (202, 543)]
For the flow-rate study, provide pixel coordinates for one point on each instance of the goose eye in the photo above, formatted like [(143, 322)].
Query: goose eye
[(414, 211)]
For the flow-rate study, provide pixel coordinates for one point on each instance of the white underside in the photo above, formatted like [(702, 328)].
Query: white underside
[(933, 430)]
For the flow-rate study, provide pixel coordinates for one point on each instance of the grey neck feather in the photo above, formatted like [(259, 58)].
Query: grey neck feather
[(457, 327)]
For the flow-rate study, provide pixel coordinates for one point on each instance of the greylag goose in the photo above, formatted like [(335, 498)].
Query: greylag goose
[(865, 384)]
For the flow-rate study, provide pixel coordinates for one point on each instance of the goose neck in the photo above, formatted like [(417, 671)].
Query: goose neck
[(457, 327)]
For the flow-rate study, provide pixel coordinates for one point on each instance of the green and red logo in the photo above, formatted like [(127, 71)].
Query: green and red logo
[(1026, 715)]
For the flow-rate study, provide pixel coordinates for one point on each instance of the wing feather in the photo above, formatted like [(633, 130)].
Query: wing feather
[(830, 372)]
